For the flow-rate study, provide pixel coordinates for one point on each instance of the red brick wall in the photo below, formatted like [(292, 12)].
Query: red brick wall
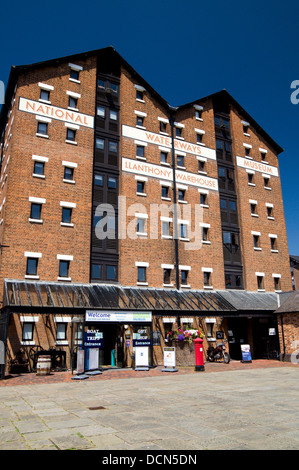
[(261, 260), (49, 238)]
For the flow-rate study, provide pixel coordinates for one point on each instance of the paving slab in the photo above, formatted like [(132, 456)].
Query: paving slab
[(234, 408)]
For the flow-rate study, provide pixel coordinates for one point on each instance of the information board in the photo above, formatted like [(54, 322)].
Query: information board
[(246, 354)]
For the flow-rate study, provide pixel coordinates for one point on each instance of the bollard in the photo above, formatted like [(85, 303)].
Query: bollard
[(199, 364)]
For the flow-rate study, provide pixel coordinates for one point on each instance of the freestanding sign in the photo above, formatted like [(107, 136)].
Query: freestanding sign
[(80, 361), (141, 358), (169, 360), (246, 354)]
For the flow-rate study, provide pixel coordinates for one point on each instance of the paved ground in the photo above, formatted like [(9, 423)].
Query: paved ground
[(235, 406)]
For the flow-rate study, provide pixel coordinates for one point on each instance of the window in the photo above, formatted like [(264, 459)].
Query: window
[(96, 271), (166, 275), (140, 225), (277, 283), (256, 241), (31, 269), (203, 199), (70, 134), (141, 274), (250, 178), (100, 143), (219, 144), (139, 95), (35, 212), (111, 182), (27, 331), (111, 272), (38, 168), (273, 242), (201, 166), (180, 160), (181, 194), (101, 83), (163, 157), (66, 215), (206, 278), (178, 132), (73, 102), (184, 277), (267, 183), (64, 268), (260, 282), (183, 231), (113, 115), (205, 234), (198, 114), (45, 95), (114, 87), (42, 128), (140, 187), (163, 126), (270, 212), (210, 327), (101, 112), (165, 229), (140, 151), (165, 192), (74, 74), (68, 173), (61, 331), (112, 147), (253, 209), (98, 180), (247, 152), (139, 121)]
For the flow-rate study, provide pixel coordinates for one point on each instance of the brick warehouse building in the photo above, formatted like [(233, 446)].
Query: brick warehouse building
[(123, 215)]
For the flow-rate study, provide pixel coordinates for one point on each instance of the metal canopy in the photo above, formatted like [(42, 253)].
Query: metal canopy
[(20, 295)]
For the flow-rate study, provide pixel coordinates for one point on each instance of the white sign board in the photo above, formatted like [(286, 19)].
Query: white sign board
[(257, 166), (52, 112), (165, 141), (169, 357), (162, 173), (93, 358), (141, 357), (80, 361), (118, 316)]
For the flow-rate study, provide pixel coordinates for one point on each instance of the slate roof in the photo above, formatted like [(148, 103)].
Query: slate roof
[(289, 302)]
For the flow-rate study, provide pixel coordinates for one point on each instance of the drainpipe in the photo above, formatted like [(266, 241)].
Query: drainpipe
[(175, 215)]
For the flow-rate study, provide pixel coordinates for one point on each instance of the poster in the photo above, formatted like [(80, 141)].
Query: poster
[(169, 357), (246, 354), (93, 359), (141, 357)]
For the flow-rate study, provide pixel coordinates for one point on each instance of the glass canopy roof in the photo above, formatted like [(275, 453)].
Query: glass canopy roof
[(21, 295)]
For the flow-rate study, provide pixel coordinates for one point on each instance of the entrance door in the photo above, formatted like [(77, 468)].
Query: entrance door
[(237, 335), (111, 354)]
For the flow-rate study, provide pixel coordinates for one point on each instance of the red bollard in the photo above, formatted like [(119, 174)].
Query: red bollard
[(199, 364)]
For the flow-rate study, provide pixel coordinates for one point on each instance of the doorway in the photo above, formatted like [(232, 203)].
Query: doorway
[(260, 333)]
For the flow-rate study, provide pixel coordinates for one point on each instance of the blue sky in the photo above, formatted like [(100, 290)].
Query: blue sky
[(185, 50)]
